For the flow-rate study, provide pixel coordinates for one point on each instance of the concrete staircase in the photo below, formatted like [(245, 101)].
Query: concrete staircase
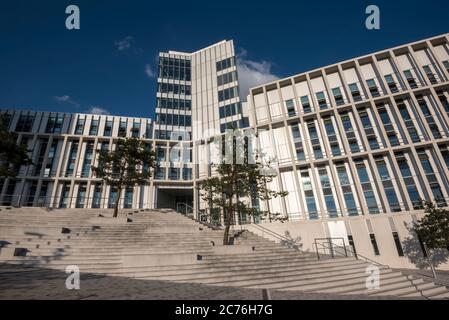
[(163, 245)]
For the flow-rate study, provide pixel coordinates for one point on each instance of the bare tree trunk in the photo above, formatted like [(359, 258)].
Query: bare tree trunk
[(117, 201), (227, 226)]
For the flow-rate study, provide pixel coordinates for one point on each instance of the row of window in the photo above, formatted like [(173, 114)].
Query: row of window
[(173, 88), (225, 64), (108, 128), (227, 78), (162, 173), (230, 110), (172, 135), (174, 119), (228, 93), (232, 125), (169, 103), (357, 189), (177, 69)]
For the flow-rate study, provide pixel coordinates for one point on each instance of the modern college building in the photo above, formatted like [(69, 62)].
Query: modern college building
[(356, 144)]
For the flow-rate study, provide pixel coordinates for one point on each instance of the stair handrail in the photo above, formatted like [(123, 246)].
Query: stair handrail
[(205, 223), (276, 235), (354, 254)]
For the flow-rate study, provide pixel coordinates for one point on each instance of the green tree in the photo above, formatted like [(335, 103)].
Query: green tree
[(12, 154), (131, 163), (236, 180), (433, 228)]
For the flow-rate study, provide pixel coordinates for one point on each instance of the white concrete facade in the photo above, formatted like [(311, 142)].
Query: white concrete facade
[(357, 144)]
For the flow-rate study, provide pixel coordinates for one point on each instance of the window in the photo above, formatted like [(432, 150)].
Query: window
[(328, 194), (227, 94), (430, 74), (25, 123), (160, 154), (64, 199), (367, 188), (374, 244), (135, 131), (398, 244), (226, 63), (348, 195), (296, 133), (408, 121), (391, 83), (81, 198), (388, 126), (313, 133), (305, 104), (332, 137), (108, 128), (79, 129), (112, 197), (349, 130), (388, 185), (226, 78), (187, 173), (446, 65), (93, 127), (290, 105), (159, 173), (429, 117), (174, 174), (409, 181), (96, 201), (321, 98), (372, 86), (122, 128), (128, 203), (431, 178), (308, 191), (230, 110), (87, 159), (54, 124), (410, 79), (72, 159), (355, 92), (338, 96)]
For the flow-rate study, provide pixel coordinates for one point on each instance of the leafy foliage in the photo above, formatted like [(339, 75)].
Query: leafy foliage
[(12, 155), (131, 163), (433, 228), (234, 183)]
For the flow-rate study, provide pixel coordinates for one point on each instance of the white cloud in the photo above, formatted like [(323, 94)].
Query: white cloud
[(66, 99), (252, 73), (124, 44), (98, 110), (149, 71)]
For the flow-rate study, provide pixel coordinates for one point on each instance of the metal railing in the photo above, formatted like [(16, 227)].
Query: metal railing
[(347, 251), (189, 212), (284, 240)]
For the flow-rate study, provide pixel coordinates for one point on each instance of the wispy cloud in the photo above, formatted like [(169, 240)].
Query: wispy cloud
[(98, 110), (124, 44), (66, 99), (149, 71), (252, 73)]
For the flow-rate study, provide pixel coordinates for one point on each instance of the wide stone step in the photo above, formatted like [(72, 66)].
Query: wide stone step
[(249, 277)]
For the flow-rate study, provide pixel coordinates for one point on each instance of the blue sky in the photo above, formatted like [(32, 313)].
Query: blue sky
[(110, 62)]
